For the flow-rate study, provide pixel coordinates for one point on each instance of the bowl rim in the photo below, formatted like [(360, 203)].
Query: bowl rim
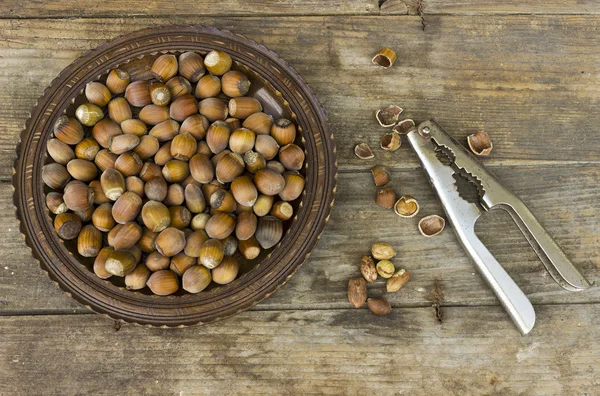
[(64, 269)]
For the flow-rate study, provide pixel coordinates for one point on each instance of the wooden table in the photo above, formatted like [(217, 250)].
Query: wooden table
[(527, 72)]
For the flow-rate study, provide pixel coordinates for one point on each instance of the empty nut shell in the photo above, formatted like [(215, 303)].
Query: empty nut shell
[(165, 67), (263, 205), (211, 253), (181, 262), (404, 126), (388, 116), (391, 141), (56, 203), (379, 306), (385, 269), (179, 86), (381, 175), (117, 81), (59, 151), (82, 170), (246, 226), (226, 272), (78, 196), (291, 156), (259, 123), (217, 62), (368, 269), (137, 278), (249, 248), (170, 242), (182, 107), (156, 262), (127, 207), (175, 171), (89, 114), (196, 125), (196, 279), (67, 225), (386, 197), (220, 226), (68, 130), (214, 109), (89, 241), (122, 143), (241, 140), (208, 86), (156, 216), (97, 93), (105, 130), (99, 262), (129, 164), (363, 151), (382, 251), (385, 58), (268, 181), (119, 110), (55, 175), (269, 231), (229, 167), (152, 114), (407, 206), (480, 143), (294, 186), (283, 131), (431, 225), (194, 242), (398, 280), (102, 218), (138, 93), (243, 107), (163, 283), (235, 84), (87, 149), (113, 183), (357, 292)]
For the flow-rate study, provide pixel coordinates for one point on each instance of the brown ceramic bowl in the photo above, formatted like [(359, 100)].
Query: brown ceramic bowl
[(282, 92)]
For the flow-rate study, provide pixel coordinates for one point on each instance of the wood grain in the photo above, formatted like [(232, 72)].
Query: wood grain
[(469, 72), (154, 8), (349, 352), (357, 222)]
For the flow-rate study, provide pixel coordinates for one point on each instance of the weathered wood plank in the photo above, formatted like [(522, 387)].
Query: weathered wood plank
[(138, 8), (475, 7), (357, 222), (531, 82), (349, 352)]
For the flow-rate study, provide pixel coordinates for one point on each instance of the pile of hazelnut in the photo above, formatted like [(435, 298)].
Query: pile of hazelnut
[(162, 181)]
